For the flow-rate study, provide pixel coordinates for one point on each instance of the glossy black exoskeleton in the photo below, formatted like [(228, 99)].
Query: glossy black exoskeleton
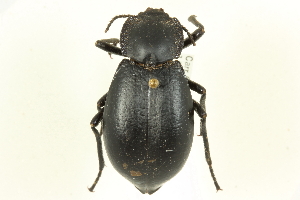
[(147, 115)]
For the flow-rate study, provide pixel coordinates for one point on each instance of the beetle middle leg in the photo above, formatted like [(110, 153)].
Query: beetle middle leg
[(94, 123), (200, 110)]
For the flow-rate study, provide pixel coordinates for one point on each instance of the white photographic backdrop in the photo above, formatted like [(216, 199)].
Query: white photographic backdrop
[(52, 75)]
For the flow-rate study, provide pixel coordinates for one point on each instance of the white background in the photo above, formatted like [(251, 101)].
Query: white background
[(52, 75)]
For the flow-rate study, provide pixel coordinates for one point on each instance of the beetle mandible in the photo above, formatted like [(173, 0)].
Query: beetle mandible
[(147, 116)]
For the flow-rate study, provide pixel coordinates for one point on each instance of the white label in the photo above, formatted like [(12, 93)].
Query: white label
[(186, 61)]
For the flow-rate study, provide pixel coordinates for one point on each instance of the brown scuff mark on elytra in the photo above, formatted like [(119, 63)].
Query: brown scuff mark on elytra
[(141, 162), (125, 165), (135, 173), (151, 161)]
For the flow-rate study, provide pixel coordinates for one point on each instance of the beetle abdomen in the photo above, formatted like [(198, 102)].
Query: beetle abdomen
[(148, 123)]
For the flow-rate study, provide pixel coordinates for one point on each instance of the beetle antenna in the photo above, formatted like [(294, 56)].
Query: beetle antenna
[(113, 19), (190, 36)]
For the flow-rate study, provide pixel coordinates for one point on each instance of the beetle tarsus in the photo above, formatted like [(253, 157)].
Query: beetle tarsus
[(207, 152), (91, 189), (194, 21)]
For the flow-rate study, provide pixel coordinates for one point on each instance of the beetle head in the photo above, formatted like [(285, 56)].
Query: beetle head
[(152, 37)]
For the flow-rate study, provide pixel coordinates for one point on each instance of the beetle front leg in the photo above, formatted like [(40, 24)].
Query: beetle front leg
[(94, 123), (109, 45), (196, 34)]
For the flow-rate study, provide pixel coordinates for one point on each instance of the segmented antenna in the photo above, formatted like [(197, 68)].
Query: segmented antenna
[(113, 19)]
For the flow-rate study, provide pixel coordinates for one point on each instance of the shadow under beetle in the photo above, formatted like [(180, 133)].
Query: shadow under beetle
[(147, 116)]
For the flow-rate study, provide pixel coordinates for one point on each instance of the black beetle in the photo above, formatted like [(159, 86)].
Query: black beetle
[(147, 115)]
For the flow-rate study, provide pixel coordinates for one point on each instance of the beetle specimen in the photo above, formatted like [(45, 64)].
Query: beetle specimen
[(147, 116)]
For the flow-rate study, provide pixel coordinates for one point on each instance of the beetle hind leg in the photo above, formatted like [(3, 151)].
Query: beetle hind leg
[(199, 108), (201, 111), (94, 123), (100, 154), (203, 132)]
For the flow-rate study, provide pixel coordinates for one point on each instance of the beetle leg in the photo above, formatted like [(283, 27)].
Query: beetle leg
[(101, 102), (196, 87), (199, 110), (109, 45), (100, 156), (196, 34), (94, 123), (200, 90)]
